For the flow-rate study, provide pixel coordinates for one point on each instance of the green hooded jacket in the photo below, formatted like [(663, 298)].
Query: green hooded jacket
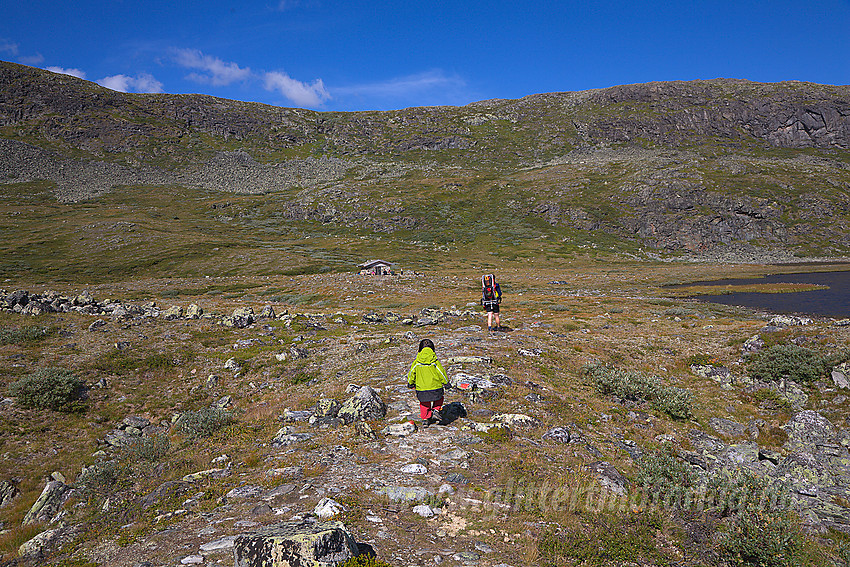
[(427, 373)]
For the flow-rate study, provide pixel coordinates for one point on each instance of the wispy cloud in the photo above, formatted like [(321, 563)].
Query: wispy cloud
[(7, 47), (73, 72), (36, 59), (213, 71), (141, 83), (399, 87), (303, 94)]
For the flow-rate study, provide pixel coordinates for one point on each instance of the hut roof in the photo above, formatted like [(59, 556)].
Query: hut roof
[(372, 263)]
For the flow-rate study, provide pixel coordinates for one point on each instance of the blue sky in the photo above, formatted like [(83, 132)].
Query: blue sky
[(379, 55)]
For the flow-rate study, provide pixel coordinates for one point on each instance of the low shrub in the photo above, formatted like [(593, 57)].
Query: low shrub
[(31, 334), (664, 471), (204, 422), (675, 402), (365, 560), (148, 448), (766, 539), (603, 541), (789, 362), (50, 388), (638, 386), (99, 478)]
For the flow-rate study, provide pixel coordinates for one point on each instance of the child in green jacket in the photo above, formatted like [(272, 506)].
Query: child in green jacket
[(427, 376)]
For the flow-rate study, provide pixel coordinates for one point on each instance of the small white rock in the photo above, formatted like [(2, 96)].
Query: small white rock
[(328, 508), (423, 510), (414, 468)]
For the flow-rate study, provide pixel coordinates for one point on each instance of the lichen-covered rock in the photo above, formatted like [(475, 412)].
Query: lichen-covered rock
[(267, 312), (560, 434), (173, 313), (8, 490), (719, 374), (327, 407), (194, 312), (49, 503), (609, 477), (296, 543), (364, 405), (404, 493), (727, 427), (808, 429)]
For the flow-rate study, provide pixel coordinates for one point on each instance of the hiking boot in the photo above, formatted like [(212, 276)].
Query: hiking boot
[(437, 416)]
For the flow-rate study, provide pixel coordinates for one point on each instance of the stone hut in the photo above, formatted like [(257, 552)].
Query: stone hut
[(376, 268)]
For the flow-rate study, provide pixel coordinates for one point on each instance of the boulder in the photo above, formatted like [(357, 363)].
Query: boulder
[(742, 453), (295, 543), (8, 491), (808, 429), (364, 405), (559, 434), (267, 312), (609, 477), (788, 321), (328, 508), (284, 437), (242, 317), (841, 375), (48, 504), (365, 430), (469, 382), (194, 312), (173, 313), (719, 374), (327, 407)]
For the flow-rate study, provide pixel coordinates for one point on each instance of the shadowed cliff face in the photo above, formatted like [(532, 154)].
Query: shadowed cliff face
[(680, 166)]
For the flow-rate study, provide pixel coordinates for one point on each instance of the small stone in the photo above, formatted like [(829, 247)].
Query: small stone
[(423, 510), (414, 468), (192, 560)]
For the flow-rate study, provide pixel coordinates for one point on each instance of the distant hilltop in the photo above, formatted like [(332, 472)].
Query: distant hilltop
[(678, 166)]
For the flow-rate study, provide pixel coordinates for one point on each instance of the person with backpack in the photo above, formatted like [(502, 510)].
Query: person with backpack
[(491, 297), (428, 377)]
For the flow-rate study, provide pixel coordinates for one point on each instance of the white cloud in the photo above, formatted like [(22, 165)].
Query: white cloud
[(141, 83), (73, 72), (214, 71), (302, 94)]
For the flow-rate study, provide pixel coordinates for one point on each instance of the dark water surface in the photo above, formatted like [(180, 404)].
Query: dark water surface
[(832, 302)]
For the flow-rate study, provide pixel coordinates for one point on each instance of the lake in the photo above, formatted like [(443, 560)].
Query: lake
[(833, 302)]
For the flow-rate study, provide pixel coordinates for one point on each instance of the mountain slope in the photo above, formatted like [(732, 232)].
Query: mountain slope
[(702, 167)]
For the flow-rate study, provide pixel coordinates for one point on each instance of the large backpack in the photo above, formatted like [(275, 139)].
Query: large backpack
[(489, 290)]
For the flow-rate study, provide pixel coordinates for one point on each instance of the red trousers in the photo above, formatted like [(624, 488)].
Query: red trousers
[(426, 408)]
